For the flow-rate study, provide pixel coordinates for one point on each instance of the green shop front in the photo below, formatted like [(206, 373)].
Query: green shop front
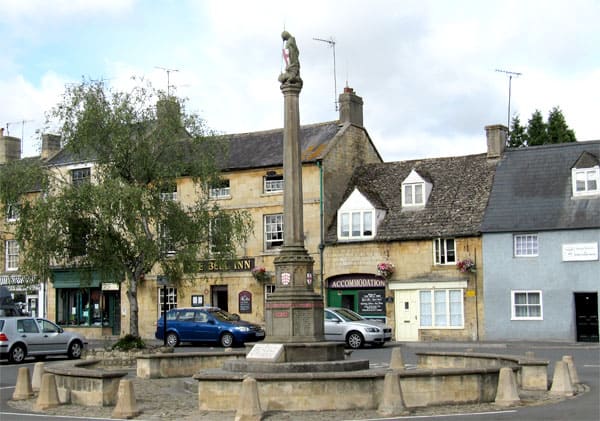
[(363, 293), (86, 302)]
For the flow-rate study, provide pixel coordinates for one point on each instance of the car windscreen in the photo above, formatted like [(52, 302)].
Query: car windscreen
[(1, 325), (224, 316), (347, 315)]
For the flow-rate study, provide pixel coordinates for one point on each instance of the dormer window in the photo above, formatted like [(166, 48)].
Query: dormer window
[(415, 190), (357, 218), (586, 181)]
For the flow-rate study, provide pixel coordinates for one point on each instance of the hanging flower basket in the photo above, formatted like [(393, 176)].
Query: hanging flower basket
[(466, 265), (261, 274), (385, 269)]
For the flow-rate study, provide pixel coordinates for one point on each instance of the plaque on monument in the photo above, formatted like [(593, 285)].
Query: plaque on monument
[(266, 352)]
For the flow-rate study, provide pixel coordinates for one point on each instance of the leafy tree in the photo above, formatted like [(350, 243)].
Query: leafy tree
[(558, 130), (123, 223), (518, 135), (536, 129)]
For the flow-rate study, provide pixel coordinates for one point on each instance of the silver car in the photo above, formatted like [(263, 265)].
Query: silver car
[(342, 324), (37, 337)]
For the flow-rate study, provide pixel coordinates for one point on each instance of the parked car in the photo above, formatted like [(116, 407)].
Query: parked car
[(342, 324), (23, 336), (207, 324)]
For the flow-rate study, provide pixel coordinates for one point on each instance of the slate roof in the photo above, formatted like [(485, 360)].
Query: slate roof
[(256, 149), (533, 190), (455, 208)]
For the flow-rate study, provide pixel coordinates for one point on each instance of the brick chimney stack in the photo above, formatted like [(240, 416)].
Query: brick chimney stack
[(351, 107), (10, 148), (497, 136)]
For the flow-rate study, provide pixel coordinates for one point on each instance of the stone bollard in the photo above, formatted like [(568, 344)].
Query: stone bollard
[(126, 404), (249, 407), (36, 378), (396, 360), (572, 370), (561, 381), (23, 388), (392, 401), (48, 397), (506, 393)]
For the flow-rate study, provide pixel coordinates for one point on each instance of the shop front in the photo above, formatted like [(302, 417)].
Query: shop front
[(26, 293), (363, 293)]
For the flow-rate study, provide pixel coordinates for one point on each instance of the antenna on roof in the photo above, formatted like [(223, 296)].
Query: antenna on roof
[(168, 78), (22, 123), (510, 76), (331, 43)]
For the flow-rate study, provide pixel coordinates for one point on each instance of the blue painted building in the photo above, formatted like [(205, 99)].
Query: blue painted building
[(541, 232)]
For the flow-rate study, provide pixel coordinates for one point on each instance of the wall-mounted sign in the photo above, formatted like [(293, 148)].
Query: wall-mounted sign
[(245, 302), (371, 302), (197, 300), (579, 252), (354, 281), (110, 286), (237, 265)]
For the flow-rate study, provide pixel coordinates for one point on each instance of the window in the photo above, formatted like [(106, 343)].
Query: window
[(586, 181), (169, 194), (27, 326), (526, 245), (273, 183), (413, 194), (12, 255), (171, 301), (219, 190), (443, 250), (273, 231), (220, 237), (79, 306), (167, 245), (79, 231), (80, 176), (356, 224), (526, 305), (12, 212), (441, 308)]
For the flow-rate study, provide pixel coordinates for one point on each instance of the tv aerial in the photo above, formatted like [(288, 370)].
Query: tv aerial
[(331, 43), (168, 71), (510, 76)]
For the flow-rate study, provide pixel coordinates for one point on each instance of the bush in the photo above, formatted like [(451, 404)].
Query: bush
[(129, 342)]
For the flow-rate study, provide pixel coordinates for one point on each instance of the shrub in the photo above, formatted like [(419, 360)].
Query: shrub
[(129, 342)]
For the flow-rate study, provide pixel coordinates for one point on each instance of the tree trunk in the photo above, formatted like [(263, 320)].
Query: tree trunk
[(133, 307)]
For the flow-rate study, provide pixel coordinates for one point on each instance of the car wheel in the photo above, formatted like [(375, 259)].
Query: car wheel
[(355, 340), (226, 340), (75, 350), (172, 339), (17, 354)]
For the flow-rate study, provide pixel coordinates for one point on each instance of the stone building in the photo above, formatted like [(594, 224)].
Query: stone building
[(393, 249), (252, 176)]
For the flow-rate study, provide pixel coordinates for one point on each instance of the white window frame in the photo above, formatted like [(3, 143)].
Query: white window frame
[(528, 249), (273, 183), (12, 212), (587, 176), (527, 304), (166, 241), (440, 253), (410, 190), (11, 255), (270, 222), (221, 192), (171, 299), (346, 225), (447, 310)]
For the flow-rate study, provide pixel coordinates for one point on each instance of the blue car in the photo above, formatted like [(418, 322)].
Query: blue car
[(207, 324)]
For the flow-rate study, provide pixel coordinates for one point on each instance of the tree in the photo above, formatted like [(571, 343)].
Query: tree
[(536, 129), (518, 135), (558, 130), (124, 223)]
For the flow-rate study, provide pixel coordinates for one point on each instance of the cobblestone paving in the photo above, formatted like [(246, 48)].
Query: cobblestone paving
[(168, 399)]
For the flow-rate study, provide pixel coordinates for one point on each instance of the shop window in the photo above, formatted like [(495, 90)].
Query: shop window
[(78, 307)]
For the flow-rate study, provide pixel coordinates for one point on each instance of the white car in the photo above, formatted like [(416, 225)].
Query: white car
[(37, 337), (344, 325)]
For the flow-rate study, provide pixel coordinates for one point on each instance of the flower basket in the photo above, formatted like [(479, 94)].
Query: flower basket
[(466, 265), (385, 269), (261, 274)]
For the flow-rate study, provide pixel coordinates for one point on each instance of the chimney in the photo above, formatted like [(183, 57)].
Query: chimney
[(168, 109), (351, 107), (497, 136), (50, 146), (10, 148)]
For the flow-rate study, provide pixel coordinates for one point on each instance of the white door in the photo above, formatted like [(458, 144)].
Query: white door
[(407, 315)]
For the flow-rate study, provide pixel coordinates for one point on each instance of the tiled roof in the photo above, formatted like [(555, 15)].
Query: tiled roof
[(533, 190), (455, 208)]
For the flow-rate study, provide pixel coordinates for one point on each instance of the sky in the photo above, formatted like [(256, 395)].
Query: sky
[(427, 70)]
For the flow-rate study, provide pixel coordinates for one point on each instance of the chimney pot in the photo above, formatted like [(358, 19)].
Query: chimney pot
[(351, 107)]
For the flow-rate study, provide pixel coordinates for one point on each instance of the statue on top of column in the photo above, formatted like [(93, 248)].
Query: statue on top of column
[(291, 76)]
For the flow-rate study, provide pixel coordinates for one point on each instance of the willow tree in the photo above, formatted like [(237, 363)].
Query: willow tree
[(126, 221)]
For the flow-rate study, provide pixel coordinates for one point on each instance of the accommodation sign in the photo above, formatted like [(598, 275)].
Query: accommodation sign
[(237, 265), (356, 281), (579, 252)]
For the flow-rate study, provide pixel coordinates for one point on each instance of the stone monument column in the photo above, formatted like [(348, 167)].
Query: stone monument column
[(294, 312)]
